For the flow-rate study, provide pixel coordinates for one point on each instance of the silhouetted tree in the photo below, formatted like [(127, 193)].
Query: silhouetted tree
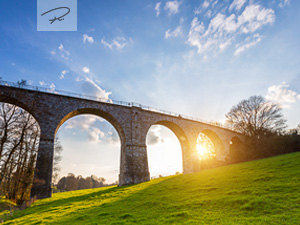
[(260, 121), (256, 117)]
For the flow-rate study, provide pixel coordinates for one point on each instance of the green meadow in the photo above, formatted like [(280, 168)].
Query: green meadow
[(259, 192)]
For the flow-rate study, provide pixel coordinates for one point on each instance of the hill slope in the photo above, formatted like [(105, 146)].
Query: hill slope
[(259, 192)]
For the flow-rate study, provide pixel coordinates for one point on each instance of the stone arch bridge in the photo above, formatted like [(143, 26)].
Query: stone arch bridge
[(131, 121)]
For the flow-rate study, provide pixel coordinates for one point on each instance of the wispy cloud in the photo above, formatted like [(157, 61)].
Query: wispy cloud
[(175, 33), (205, 4), (223, 30), (87, 123), (283, 3), (63, 52), (88, 39), (154, 136), (248, 43), (63, 73), (172, 7), (95, 135), (117, 43), (52, 87), (91, 88), (237, 4), (282, 94), (86, 69), (157, 8)]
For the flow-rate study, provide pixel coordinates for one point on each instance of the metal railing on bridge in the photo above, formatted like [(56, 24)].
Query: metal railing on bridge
[(109, 101)]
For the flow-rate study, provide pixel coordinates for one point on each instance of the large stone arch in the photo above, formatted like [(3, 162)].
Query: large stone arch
[(17, 102), (216, 140), (96, 112), (187, 157)]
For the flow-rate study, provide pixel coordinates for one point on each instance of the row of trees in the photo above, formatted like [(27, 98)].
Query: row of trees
[(71, 182)]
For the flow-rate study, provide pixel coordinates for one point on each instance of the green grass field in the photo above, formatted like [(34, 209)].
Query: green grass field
[(258, 192)]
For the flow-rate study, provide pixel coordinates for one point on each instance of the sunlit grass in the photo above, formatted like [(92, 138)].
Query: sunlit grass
[(259, 192)]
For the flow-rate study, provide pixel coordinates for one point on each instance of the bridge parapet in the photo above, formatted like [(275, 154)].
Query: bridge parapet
[(110, 101)]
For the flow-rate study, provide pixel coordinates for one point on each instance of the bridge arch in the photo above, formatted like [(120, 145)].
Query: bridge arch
[(216, 140), (95, 112), (17, 102), (181, 137)]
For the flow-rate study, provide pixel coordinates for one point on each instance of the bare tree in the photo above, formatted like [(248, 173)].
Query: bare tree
[(259, 120), (256, 117), (19, 138)]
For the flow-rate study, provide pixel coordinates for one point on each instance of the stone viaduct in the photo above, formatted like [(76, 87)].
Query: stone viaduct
[(131, 121)]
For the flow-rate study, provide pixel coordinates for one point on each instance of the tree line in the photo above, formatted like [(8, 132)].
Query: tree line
[(71, 182)]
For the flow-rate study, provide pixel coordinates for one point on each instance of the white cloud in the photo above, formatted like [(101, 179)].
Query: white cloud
[(42, 83), (63, 73), (237, 4), (113, 137), (86, 123), (175, 33), (83, 122), (208, 13), (205, 4), (86, 69), (95, 135), (53, 53), (254, 17), (91, 88), (61, 47), (282, 95), (157, 8), (249, 42), (88, 38), (52, 87), (63, 51), (154, 136), (283, 3), (222, 30), (118, 43), (172, 7)]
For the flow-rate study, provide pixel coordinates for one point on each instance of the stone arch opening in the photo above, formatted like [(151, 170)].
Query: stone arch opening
[(19, 142), (210, 149), (95, 138), (167, 146), (236, 150), (95, 112)]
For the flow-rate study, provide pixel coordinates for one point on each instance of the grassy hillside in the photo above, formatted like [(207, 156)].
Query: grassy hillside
[(259, 192)]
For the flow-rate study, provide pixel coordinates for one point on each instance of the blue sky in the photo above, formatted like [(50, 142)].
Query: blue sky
[(192, 57)]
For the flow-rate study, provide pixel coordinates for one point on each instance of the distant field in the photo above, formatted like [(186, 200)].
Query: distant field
[(259, 192)]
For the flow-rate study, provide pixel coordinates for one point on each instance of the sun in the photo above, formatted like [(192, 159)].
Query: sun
[(201, 150), (205, 148)]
